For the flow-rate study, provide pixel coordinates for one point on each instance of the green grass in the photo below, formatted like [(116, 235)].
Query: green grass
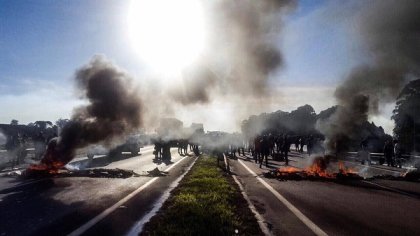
[(206, 202)]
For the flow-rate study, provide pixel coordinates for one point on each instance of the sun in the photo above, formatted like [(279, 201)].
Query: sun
[(168, 35)]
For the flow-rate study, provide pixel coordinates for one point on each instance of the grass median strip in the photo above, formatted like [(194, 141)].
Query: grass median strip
[(206, 202)]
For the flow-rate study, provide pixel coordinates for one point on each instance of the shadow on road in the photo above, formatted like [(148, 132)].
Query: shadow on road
[(27, 209)]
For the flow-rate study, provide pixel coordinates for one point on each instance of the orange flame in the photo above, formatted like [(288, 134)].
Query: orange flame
[(50, 162), (318, 168), (345, 170)]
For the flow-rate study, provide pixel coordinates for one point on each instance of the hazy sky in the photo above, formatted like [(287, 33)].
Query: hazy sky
[(43, 42)]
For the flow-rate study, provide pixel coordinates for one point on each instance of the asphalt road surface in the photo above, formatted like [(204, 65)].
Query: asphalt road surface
[(86, 205), (374, 207)]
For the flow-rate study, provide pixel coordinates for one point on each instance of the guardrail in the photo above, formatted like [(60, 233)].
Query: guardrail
[(408, 161)]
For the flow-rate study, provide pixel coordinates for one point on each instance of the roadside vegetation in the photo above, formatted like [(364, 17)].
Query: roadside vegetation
[(206, 202)]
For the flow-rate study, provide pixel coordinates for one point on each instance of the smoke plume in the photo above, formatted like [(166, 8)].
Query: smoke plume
[(390, 32), (242, 51), (114, 109)]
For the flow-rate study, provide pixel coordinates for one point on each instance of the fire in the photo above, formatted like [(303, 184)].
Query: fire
[(345, 170), (318, 170), (51, 161), (289, 169)]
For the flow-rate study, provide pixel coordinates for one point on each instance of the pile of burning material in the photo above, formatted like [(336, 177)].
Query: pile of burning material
[(90, 173), (113, 110), (317, 171)]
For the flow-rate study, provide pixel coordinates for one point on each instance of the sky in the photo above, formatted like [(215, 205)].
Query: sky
[(43, 42)]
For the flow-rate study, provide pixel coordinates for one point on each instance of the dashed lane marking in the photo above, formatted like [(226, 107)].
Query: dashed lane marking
[(311, 225), (260, 218), (251, 206), (138, 227)]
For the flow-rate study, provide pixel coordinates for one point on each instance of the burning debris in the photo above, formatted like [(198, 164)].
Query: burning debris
[(316, 171), (114, 109)]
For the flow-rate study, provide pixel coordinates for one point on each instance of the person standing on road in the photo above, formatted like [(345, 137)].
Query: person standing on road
[(389, 153), (310, 144), (397, 154), (265, 150), (286, 148)]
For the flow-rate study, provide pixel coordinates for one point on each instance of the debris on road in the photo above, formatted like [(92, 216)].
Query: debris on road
[(156, 172), (90, 173), (297, 174), (317, 171)]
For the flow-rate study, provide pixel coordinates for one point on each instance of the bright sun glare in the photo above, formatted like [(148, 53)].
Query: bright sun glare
[(168, 35)]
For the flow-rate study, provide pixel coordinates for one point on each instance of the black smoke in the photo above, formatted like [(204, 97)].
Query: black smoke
[(390, 33), (114, 109)]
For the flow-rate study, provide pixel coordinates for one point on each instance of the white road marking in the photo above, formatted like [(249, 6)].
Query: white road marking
[(311, 225), (251, 206), (138, 227), (260, 218), (108, 211)]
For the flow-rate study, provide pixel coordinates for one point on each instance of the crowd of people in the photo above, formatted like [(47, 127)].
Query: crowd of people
[(276, 146)]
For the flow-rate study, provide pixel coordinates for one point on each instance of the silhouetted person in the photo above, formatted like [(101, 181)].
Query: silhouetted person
[(285, 149), (166, 152), (297, 143), (310, 144), (302, 143), (265, 151), (364, 152), (279, 143), (257, 148), (397, 153), (158, 150), (389, 153), (40, 145)]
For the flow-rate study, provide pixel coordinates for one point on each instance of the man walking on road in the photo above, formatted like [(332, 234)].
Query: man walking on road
[(286, 148)]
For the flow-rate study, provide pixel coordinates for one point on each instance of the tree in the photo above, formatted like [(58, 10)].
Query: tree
[(407, 117), (61, 122), (14, 122), (302, 120), (43, 125)]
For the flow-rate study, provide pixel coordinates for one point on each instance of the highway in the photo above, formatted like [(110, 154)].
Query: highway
[(353, 207), (83, 205), (86, 205)]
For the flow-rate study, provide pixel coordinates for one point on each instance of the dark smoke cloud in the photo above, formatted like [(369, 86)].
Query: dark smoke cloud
[(114, 109), (242, 50), (390, 31), (197, 83)]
